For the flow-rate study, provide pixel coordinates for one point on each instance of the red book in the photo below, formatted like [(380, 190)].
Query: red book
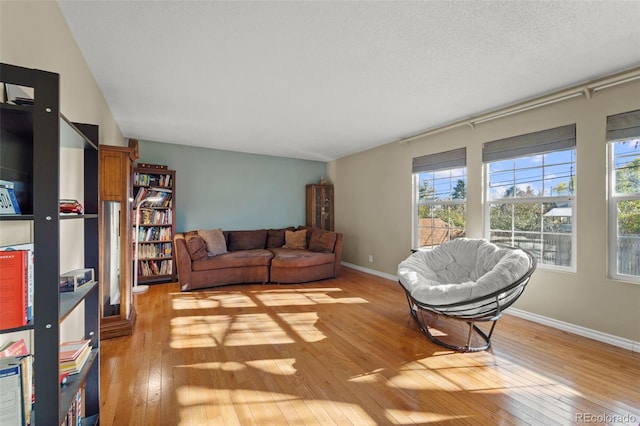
[(13, 288), (15, 348)]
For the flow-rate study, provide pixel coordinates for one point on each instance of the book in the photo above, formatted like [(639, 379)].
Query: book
[(31, 264), (13, 348), (69, 351), (13, 288), (8, 201), (74, 366), (14, 383)]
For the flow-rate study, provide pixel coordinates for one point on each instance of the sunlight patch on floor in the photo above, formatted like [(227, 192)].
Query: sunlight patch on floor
[(262, 407), (304, 325), (280, 367), (226, 330), (301, 297), (208, 300), (403, 417)]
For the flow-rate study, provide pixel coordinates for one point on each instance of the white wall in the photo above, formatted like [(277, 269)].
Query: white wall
[(373, 209), (34, 34)]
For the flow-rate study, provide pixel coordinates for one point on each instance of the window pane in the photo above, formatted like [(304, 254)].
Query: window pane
[(542, 228), (528, 241), (556, 249), (628, 237), (627, 166), (528, 182), (440, 223), (527, 217), (557, 217), (501, 217)]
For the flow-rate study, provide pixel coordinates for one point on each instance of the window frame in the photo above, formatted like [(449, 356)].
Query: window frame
[(435, 163), (612, 216), (530, 151)]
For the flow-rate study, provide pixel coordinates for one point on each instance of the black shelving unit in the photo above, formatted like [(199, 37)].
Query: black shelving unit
[(30, 142)]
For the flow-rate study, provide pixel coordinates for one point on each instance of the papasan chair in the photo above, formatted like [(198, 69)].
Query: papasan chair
[(466, 279)]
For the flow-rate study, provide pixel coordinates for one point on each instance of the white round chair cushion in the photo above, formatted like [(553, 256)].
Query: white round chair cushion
[(461, 270)]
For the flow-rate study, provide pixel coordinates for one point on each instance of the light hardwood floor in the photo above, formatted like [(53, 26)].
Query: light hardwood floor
[(346, 351)]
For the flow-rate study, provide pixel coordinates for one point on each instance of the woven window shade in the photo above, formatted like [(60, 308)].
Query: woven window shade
[(441, 161), (556, 139), (623, 126)]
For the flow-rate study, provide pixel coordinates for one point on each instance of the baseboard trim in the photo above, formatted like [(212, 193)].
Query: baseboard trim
[(576, 329), (599, 336), (370, 271)]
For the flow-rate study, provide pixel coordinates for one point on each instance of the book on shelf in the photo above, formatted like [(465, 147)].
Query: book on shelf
[(163, 193), (73, 356), (74, 413), (14, 348), (71, 350), (13, 288), (74, 367), (16, 390), (8, 201), (29, 248)]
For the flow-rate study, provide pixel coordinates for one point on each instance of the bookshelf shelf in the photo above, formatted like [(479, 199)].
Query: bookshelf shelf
[(8, 217), (69, 300), (157, 223)]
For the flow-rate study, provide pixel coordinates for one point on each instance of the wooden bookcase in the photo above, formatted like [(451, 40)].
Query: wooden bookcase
[(320, 206), (156, 257), (34, 139)]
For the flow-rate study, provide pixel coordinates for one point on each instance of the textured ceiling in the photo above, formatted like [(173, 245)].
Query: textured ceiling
[(322, 80)]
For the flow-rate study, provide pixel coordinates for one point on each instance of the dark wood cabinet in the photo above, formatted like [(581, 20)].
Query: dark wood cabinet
[(320, 206), (35, 139), (117, 313)]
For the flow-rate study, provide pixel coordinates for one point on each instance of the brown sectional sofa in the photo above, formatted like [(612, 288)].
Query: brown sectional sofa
[(256, 256)]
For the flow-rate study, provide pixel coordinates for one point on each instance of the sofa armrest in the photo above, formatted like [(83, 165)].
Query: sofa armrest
[(338, 254), (183, 260)]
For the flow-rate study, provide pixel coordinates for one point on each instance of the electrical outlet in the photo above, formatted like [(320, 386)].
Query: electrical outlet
[(370, 258)]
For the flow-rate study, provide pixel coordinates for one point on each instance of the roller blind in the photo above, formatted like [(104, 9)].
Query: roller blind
[(443, 160), (623, 126), (556, 139)]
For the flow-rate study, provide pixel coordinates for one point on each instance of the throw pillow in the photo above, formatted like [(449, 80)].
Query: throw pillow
[(295, 239), (322, 241), (196, 247), (216, 244)]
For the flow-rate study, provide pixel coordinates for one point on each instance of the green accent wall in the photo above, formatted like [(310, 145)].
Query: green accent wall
[(234, 190)]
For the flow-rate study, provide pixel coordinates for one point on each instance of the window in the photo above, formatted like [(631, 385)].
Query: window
[(440, 197), (531, 194), (623, 136)]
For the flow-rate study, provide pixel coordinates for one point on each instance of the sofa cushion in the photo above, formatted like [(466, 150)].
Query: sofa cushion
[(196, 247), (322, 241), (275, 238), (295, 239), (247, 240), (291, 258), (234, 259), (216, 244)]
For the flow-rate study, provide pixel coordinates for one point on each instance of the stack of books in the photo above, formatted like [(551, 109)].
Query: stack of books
[(73, 356)]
